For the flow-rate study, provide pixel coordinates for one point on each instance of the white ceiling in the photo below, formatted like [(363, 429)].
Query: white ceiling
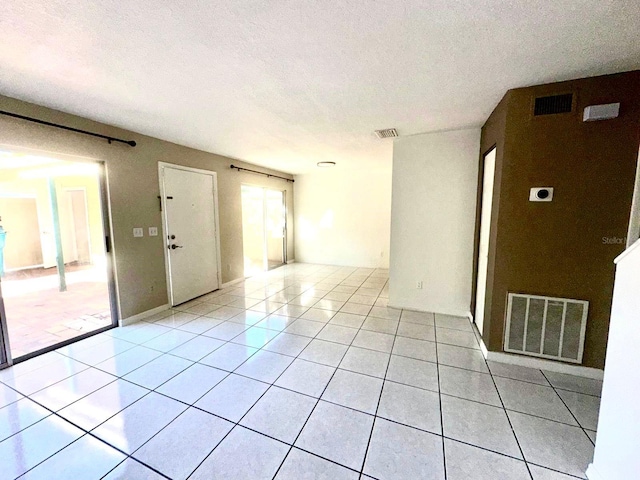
[(289, 83)]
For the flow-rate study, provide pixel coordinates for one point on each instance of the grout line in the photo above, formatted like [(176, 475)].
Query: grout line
[(444, 452), (386, 370), (524, 458), (579, 425)]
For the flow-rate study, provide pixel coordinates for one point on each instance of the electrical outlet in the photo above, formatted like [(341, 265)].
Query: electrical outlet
[(153, 231), (419, 285), (138, 232)]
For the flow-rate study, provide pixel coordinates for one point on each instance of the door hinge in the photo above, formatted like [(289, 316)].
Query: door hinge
[(107, 243)]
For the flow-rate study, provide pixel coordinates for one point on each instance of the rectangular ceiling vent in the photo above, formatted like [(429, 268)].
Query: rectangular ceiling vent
[(553, 104), (386, 133)]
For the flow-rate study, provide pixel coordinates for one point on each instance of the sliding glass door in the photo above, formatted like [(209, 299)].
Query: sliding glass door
[(55, 274), (263, 229)]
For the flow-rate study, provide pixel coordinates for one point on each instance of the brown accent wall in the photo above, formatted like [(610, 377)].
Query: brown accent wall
[(132, 177), (557, 248)]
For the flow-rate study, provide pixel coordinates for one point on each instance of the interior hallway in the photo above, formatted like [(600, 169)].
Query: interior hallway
[(303, 372)]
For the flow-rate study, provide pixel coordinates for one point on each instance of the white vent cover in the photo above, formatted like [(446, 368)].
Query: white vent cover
[(546, 327), (386, 133)]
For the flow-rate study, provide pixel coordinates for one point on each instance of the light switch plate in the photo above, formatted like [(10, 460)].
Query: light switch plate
[(138, 232), (153, 231)]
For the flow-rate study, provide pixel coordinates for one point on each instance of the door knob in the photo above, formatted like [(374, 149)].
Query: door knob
[(173, 246)]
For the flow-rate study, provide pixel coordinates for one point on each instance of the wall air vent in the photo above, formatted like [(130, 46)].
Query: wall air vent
[(553, 104), (386, 133), (546, 327)]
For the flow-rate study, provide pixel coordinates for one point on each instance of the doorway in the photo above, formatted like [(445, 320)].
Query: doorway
[(55, 270), (263, 229), (189, 203), (485, 228)]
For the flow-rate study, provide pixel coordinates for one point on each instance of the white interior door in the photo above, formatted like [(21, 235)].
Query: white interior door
[(485, 224), (190, 230)]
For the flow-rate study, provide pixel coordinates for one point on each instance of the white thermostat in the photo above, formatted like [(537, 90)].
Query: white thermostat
[(541, 194)]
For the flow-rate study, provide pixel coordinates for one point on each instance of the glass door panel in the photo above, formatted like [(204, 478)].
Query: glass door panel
[(263, 229), (275, 228), (253, 223), (53, 264)]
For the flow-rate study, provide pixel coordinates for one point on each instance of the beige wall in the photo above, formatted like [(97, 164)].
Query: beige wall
[(132, 175), (20, 221)]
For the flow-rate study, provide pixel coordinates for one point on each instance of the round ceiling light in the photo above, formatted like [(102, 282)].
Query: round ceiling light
[(326, 164)]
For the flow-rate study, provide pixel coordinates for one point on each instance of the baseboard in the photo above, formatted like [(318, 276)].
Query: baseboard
[(232, 283), (542, 364), (140, 316), (291, 261), (451, 314), (593, 474)]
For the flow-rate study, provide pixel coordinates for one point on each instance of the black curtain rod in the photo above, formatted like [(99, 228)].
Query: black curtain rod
[(131, 143), (262, 173)]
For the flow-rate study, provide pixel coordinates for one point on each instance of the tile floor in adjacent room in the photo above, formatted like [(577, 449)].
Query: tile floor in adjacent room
[(302, 373)]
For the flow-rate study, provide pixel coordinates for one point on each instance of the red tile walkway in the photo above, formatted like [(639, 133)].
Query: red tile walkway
[(39, 315)]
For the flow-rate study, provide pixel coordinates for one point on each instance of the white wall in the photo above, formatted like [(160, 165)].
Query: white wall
[(342, 217), (616, 453), (435, 179)]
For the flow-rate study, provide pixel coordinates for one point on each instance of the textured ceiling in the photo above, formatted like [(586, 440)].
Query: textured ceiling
[(288, 83)]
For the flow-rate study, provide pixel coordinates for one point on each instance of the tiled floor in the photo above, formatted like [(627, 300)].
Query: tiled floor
[(303, 373), (39, 315)]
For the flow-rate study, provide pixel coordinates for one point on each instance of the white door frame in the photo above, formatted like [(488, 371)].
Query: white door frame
[(163, 201), (486, 209)]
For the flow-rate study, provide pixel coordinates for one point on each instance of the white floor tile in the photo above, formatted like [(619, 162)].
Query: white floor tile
[(533, 399), (86, 458), (301, 465), (478, 424), (265, 366), (20, 415), (158, 371), (470, 385), (197, 348), (133, 426), (95, 408), (374, 341), (554, 445), (31, 446), (345, 445), (280, 414), (411, 406), (327, 353), (306, 377), (243, 455), (413, 372), (368, 362), (287, 344), (229, 356), (67, 391), (232, 397), (354, 390), (397, 451), (465, 462), (191, 384), (180, 447)]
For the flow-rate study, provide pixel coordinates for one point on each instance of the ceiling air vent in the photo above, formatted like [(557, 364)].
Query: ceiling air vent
[(386, 133), (553, 104)]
